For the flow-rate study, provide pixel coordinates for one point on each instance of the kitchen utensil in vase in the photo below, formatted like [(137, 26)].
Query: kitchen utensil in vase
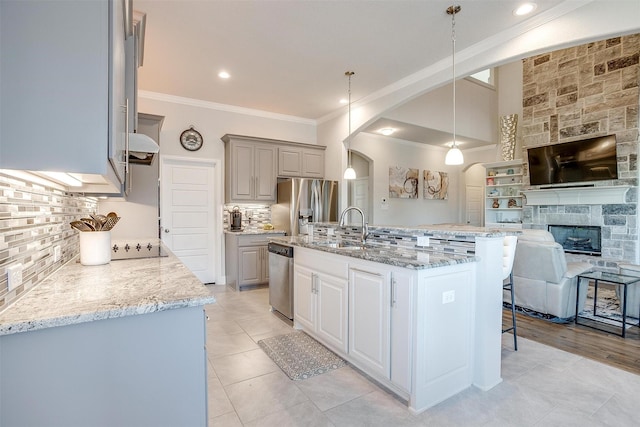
[(80, 226), (110, 223)]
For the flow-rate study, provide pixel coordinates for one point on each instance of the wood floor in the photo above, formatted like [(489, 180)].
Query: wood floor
[(623, 353)]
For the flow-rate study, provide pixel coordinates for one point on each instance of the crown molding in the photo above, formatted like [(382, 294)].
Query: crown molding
[(191, 102)]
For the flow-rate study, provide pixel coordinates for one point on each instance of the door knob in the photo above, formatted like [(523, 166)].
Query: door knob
[(166, 230)]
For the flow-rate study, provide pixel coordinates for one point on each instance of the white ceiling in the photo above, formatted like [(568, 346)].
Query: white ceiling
[(289, 56)]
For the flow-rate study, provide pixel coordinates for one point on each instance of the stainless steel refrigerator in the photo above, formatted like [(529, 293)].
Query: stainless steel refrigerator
[(304, 200)]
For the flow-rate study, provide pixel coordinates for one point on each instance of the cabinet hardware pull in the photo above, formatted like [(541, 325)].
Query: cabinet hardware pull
[(393, 291), (367, 272), (314, 289), (126, 138)]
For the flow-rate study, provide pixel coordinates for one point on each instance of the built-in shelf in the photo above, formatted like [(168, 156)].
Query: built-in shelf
[(577, 196)]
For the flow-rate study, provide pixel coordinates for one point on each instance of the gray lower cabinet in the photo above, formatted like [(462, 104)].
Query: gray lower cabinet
[(139, 370), (247, 259)]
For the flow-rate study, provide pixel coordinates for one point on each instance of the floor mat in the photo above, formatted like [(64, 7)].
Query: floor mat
[(300, 356)]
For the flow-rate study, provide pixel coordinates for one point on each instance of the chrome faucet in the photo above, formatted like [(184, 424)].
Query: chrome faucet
[(365, 226)]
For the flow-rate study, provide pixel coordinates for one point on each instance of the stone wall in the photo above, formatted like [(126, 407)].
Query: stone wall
[(578, 93)]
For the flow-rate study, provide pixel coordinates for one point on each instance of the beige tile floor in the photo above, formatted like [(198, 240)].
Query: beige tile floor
[(541, 386)]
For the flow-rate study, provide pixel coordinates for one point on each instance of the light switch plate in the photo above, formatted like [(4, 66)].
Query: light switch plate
[(448, 297), (14, 276)]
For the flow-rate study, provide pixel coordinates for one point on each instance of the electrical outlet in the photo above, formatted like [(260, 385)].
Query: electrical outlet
[(422, 241), (448, 297), (57, 253), (14, 276)]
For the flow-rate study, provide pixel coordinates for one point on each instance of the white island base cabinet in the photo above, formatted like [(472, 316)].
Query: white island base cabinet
[(411, 330), (142, 370)]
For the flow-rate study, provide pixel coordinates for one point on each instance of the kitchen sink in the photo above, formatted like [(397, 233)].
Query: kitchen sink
[(346, 245)]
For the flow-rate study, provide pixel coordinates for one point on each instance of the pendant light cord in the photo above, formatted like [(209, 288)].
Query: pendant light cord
[(453, 43), (349, 73)]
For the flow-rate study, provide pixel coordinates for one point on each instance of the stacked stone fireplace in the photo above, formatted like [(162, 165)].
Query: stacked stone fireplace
[(578, 93), (578, 239)]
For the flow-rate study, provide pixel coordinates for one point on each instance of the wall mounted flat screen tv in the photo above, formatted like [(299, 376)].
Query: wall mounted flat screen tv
[(590, 159)]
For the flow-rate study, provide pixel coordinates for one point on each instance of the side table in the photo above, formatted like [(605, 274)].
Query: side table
[(614, 278)]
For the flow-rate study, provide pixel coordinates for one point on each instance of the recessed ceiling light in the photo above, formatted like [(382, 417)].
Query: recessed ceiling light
[(525, 8), (386, 131), (224, 75), (344, 101)]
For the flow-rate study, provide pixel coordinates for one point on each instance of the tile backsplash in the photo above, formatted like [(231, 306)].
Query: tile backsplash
[(34, 219), (254, 217)]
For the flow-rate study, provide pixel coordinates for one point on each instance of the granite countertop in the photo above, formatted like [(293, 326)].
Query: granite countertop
[(411, 258), (461, 230), (77, 294), (253, 231)]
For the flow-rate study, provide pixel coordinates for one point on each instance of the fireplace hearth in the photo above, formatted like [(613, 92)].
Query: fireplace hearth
[(578, 239)]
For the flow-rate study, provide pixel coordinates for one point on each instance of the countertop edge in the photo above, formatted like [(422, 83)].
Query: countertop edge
[(35, 325)]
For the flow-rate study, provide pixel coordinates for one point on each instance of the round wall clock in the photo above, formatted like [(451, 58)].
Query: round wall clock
[(191, 139)]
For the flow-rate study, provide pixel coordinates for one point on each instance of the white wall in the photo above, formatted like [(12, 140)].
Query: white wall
[(476, 110), (387, 152), (212, 123), (476, 117), (509, 83)]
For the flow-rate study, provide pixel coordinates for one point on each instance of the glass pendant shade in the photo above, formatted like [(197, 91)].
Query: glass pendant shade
[(349, 173), (454, 156)]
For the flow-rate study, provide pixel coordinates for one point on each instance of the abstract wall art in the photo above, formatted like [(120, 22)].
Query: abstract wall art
[(435, 185), (403, 182)]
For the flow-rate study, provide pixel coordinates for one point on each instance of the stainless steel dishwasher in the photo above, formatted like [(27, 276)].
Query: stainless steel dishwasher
[(281, 279)]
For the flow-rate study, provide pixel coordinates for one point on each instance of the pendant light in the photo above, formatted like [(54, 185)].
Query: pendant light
[(349, 172), (454, 155)]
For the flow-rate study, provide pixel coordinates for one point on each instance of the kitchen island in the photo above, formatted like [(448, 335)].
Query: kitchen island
[(423, 320), (115, 344)]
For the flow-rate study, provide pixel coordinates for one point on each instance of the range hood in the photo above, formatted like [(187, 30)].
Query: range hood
[(142, 149)]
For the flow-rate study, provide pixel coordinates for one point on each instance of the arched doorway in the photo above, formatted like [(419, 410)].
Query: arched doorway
[(359, 190)]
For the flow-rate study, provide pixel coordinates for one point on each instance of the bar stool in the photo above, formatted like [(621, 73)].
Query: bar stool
[(508, 255)]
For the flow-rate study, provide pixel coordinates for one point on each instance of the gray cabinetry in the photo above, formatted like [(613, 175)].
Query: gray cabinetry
[(63, 67), (250, 171), (143, 370), (247, 258), (295, 161), (253, 165)]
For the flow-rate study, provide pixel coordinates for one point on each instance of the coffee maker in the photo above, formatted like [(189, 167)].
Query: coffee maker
[(235, 219)]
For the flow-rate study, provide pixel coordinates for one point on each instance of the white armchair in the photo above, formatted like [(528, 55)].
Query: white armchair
[(633, 291), (543, 280)]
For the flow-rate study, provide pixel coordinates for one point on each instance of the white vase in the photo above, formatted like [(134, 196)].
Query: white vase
[(95, 247)]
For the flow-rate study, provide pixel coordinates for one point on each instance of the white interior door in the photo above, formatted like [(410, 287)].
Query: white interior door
[(187, 213), (474, 205), (359, 197)]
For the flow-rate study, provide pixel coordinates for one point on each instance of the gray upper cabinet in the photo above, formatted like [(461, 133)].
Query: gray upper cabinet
[(294, 161), (62, 79), (250, 171), (253, 165), (313, 162)]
